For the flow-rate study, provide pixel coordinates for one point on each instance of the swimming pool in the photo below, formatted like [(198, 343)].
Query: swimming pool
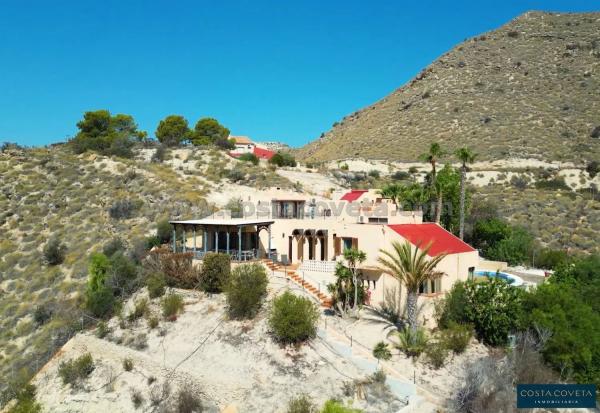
[(513, 280)]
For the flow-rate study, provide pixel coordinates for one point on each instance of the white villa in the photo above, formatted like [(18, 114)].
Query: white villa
[(307, 237)]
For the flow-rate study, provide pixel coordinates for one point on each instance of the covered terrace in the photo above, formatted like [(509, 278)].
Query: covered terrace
[(238, 237)]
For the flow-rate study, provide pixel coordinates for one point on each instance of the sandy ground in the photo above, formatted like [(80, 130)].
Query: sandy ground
[(312, 182), (225, 362)]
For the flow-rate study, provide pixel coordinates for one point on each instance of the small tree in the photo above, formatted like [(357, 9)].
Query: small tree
[(164, 231), (216, 269), (354, 257), (293, 319), (54, 252), (246, 290), (382, 352), (173, 130), (282, 159), (99, 298), (207, 131)]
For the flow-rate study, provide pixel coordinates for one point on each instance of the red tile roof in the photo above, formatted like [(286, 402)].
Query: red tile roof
[(263, 153), (441, 240), (353, 195)]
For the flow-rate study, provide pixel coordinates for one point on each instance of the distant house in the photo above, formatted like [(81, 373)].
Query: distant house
[(243, 145)]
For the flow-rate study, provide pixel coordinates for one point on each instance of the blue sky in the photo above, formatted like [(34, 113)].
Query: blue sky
[(273, 70)]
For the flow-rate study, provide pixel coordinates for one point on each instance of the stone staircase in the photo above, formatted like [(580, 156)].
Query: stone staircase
[(291, 274)]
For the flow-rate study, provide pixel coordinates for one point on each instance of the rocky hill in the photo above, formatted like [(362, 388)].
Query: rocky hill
[(528, 89)]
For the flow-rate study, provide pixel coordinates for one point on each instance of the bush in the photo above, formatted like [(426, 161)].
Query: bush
[(139, 311), (335, 406), (301, 404), (246, 290), (457, 337), (177, 268), (188, 402), (236, 175), (41, 314), (172, 305), (102, 330), (494, 308), (156, 285), (122, 275), (550, 259), (136, 398), (412, 343), (400, 176), (159, 154), (153, 322), (249, 157), (451, 309), (381, 351), (216, 270), (282, 159), (293, 319), (164, 231), (113, 246), (75, 370), (374, 173), (436, 354), (127, 364), (122, 209), (54, 252), (25, 401)]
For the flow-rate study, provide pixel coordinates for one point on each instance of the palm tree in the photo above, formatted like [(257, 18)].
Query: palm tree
[(434, 154), (395, 192), (410, 268), (465, 155), (354, 257)]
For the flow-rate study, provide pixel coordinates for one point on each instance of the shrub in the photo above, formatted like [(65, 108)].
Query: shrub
[(236, 175), (159, 154), (188, 402), (216, 270), (293, 319), (550, 259), (54, 252), (246, 290), (122, 209), (378, 377), (172, 305), (301, 404), (136, 398), (451, 309), (494, 308), (401, 175), (282, 159), (102, 330), (153, 322), (25, 401), (122, 274), (113, 246), (436, 354), (249, 157), (99, 298), (127, 364), (593, 168), (177, 268), (457, 337), (41, 314), (140, 310), (164, 231), (75, 370), (412, 343), (381, 351), (335, 406), (374, 173), (156, 285)]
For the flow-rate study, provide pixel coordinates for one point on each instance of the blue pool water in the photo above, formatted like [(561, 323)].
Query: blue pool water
[(506, 277)]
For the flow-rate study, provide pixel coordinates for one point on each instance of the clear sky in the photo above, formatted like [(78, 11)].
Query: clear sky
[(273, 70)]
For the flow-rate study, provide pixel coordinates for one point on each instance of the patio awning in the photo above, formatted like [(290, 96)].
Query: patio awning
[(235, 222)]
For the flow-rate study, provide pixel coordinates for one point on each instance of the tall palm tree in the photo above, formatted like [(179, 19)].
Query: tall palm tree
[(411, 267), (432, 156), (465, 155), (354, 257)]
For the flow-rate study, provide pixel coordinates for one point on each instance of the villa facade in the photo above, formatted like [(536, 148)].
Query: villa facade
[(311, 235)]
